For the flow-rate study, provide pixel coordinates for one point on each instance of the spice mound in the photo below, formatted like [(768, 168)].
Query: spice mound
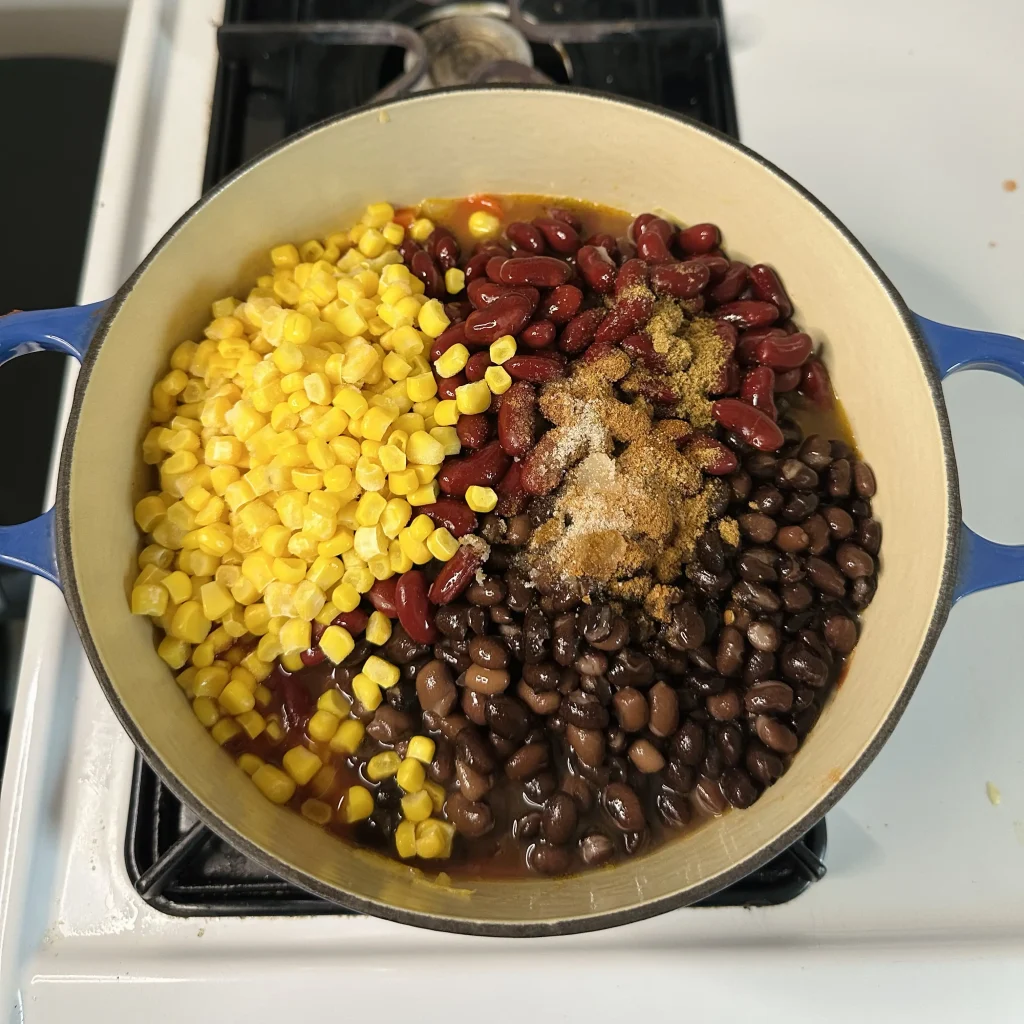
[(634, 499)]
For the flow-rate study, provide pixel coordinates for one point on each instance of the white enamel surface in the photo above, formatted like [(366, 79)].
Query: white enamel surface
[(922, 914)]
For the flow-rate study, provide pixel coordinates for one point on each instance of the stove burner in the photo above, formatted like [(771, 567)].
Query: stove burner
[(461, 47)]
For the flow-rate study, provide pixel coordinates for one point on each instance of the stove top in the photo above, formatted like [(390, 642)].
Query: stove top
[(287, 64)]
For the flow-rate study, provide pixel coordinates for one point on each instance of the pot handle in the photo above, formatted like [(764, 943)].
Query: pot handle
[(31, 546), (983, 563)]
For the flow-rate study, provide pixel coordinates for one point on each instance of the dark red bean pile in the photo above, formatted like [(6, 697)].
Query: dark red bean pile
[(571, 731)]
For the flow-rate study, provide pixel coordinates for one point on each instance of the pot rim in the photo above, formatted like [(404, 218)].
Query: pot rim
[(468, 926)]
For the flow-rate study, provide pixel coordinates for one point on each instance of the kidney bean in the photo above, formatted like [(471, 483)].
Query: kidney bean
[(561, 304), (458, 519), (494, 265), (312, 656), (747, 313), (476, 267), (680, 280), (715, 458), (423, 266), (788, 353), (447, 386), (559, 235), (457, 573), (512, 496), (752, 425), (639, 347), (535, 369), (507, 315), (354, 621), (638, 224), (816, 384), (454, 335), (580, 331), (596, 268), (446, 252), (539, 334), (407, 249), (653, 248), (540, 271), (718, 266), (787, 380), (413, 607), (382, 597), (731, 285), (484, 467), (758, 389), (476, 367), (768, 288), (623, 806), (526, 236), (698, 238), (517, 419)]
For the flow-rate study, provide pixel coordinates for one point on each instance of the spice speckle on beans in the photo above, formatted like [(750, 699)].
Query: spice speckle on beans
[(513, 534)]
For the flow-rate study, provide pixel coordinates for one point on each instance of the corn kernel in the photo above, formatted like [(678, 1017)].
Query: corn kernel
[(367, 692), (378, 629), (382, 672), (376, 422), (411, 775), (403, 483), (322, 725), (216, 600), (421, 229), (148, 512), (417, 806), (349, 737), (325, 572), (301, 764), (252, 722), (150, 599), (482, 224), (249, 763), (235, 699), (422, 527), (452, 361), (289, 570), (395, 366), (359, 577), (434, 838), (337, 642), (448, 438), (369, 509), (370, 475), (414, 550), (189, 623), (405, 839), (497, 379), (382, 766), (295, 636), (422, 749), (336, 703), (442, 545), (454, 280), (421, 387), (424, 449), (502, 349), (274, 784), (447, 413), (358, 804), (284, 255), (275, 733), (206, 711), (437, 795), (425, 495), (481, 499), (473, 398), (432, 319)]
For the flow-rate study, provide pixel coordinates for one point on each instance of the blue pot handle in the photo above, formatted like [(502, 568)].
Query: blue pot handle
[(31, 545), (983, 564)]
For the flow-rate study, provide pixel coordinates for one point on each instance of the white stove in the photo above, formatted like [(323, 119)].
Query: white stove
[(905, 121)]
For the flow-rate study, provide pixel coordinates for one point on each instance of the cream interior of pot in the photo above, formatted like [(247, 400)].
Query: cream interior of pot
[(561, 145)]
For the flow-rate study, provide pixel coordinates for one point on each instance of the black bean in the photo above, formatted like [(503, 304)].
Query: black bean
[(542, 676), (471, 818), (539, 787), (792, 539), (631, 709), (760, 665), (584, 710), (624, 807), (545, 703), (791, 569), (854, 561), (536, 634), (729, 659), (818, 536), (597, 686), (755, 596), (708, 548), (678, 776), (595, 622), (800, 665), (487, 592), (596, 849), (587, 744), (390, 725), (800, 506), (548, 860), (816, 452), (796, 597), (794, 475), (863, 480), (758, 527), (616, 740), (507, 717), (474, 706), (402, 696), (708, 582), (741, 485), (631, 668), (739, 788), (729, 740), (472, 784), (763, 765), (761, 466), (825, 577), (688, 744), (488, 651), (862, 592), (471, 748), (774, 735), (840, 633), (708, 796), (527, 826), (558, 821), (442, 768), (768, 500), (770, 695), (663, 703), (840, 522), (616, 638), (673, 808), (687, 628), (869, 535), (646, 756), (565, 645), (591, 663), (840, 478), (724, 706), (763, 635), (517, 531), (757, 565)]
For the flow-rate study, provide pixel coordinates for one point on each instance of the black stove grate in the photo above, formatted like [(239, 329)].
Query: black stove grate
[(272, 83), (179, 867)]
